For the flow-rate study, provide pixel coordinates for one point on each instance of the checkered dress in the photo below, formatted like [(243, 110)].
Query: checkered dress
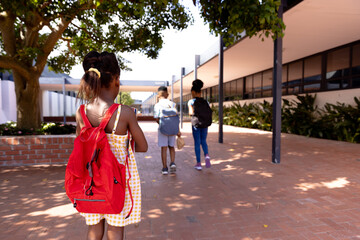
[(118, 146)]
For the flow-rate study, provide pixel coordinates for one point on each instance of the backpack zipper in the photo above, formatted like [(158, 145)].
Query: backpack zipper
[(87, 200)]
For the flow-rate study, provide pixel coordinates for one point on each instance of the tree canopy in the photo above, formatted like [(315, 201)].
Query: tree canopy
[(60, 33), (230, 18), (125, 98)]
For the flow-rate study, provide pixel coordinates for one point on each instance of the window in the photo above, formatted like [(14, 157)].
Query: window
[(233, 88), (295, 76), (356, 66), (312, 74), (248, 87), (267, 83), (324, 71), (284, 80), (227, 91), (214, 94), (337, 68), (239, 88), (257, 85)]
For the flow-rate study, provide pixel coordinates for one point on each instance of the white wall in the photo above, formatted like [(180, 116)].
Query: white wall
[(7, 102), (53, 104)]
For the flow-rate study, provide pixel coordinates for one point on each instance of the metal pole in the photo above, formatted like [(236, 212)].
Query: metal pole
[(64, 99), (181, 96), (221, 92), (197, 64), (172, 87), (277, 79)]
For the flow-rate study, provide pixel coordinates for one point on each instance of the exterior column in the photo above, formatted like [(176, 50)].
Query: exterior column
[(221, 91), (172, 87), (64, 99), (181, 96), (277, 76), (197, 64)]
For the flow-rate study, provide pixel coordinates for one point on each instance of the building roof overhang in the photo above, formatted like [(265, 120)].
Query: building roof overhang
[(312, 26)]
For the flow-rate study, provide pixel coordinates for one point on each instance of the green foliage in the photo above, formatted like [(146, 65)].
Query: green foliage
[(334, 121), (58, 128), (341, 121), (299, 117), (10, 129), (230, 18), (111, 25), (253, 115), (125, 98)]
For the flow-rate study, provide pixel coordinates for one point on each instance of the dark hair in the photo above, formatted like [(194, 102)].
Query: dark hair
[(91, 84), (197, 84), (162, 88)]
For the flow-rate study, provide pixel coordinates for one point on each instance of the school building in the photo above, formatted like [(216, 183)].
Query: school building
[(321, 55)]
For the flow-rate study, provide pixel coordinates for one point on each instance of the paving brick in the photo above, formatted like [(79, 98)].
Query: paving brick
[(310, 195)]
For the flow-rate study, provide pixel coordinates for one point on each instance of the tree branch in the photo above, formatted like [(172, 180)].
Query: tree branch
[(51, 41), (7, 29), (10, 63)]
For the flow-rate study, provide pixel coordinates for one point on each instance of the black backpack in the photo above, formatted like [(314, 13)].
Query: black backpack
[(202, 117)]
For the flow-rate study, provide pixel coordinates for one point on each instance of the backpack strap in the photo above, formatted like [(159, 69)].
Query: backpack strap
[(117, 119), (84, 117), (108, 115), (129, 143)]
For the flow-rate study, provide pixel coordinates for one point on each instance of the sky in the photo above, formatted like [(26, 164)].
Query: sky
[(179, 50)]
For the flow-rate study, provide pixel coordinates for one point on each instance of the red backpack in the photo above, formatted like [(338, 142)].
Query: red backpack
[(95, 181)]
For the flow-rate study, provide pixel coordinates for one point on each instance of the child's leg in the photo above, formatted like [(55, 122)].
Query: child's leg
[(96, 232), (203, 135), (116, 233), (172, 154), (163, 156), (196, 136)]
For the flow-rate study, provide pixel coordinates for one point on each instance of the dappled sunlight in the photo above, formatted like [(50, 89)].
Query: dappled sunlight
[(249, 151), (11, 215), (338, 183), (249, 147), (255, 172), (59, 211), (219, 161), (155, 213), (226, 211), (177, 206), (298, 154), (243, 204), (188, 197), (228, 168), (260, 160)]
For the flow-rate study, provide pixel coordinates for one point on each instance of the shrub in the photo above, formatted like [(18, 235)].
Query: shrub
[(335, 121), (10, 129)]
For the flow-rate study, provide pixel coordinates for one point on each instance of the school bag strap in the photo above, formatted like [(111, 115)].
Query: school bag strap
[(105, 119)]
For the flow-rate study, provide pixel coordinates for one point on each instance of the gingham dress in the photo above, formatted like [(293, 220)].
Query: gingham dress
[(118, 146)]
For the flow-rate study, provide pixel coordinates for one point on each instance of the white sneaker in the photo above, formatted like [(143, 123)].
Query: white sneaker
[(198, 166)]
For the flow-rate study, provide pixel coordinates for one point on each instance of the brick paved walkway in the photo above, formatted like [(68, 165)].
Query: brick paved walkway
[(312, 194)]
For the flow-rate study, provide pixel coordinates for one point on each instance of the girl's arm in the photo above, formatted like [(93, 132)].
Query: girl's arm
[(78, 122), (135, 130), (191, 108)]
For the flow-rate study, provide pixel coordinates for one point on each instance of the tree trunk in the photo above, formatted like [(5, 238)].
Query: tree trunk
[(27, 101)]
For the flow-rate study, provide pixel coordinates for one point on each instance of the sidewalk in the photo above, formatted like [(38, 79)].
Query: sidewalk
[(312, 194)]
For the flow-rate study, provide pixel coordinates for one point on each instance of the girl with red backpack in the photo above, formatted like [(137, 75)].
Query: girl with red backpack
[(99, 87)]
